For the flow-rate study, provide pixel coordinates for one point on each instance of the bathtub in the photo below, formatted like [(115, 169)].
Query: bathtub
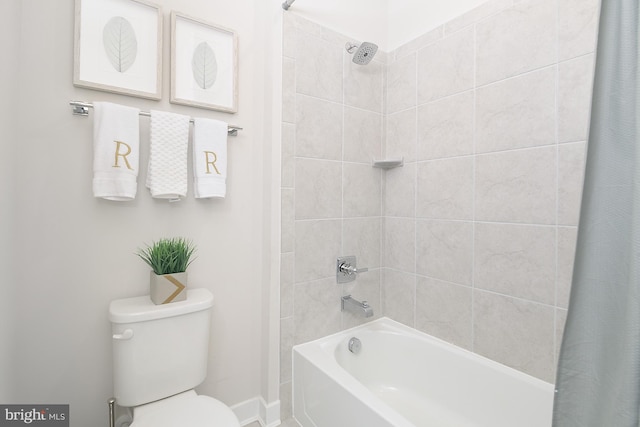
[(404, 378)]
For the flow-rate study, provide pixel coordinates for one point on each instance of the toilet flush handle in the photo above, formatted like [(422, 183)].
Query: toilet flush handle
[(127, 334)]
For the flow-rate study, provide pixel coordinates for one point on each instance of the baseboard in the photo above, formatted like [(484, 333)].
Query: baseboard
[(256, 409)]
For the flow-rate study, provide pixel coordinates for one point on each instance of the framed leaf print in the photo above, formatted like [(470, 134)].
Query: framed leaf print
[(118, 47), (204, 64)]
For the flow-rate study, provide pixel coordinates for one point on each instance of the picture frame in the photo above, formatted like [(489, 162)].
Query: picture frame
[(118, 47), (204, 64)]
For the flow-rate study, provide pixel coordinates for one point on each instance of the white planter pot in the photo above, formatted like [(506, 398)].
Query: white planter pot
[(168, 288)]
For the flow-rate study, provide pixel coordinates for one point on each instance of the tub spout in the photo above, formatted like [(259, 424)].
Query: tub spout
[(356, 306)]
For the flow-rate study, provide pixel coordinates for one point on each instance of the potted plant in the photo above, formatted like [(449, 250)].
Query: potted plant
[(168, 259)]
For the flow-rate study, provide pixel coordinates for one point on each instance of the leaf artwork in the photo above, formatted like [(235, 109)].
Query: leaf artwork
[(204, 65), (120, 43)]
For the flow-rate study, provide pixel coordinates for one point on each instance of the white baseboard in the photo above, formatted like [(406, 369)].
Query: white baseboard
[(256, 409)]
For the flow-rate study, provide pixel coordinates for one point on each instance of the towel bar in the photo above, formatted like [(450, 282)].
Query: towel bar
[(81, 108)]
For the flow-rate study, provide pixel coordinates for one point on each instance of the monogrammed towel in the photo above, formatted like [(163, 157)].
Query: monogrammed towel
[(116, 142), (167, 175), (209, 158)]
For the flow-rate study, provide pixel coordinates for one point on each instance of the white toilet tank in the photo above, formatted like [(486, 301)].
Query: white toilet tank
[(159, 350)]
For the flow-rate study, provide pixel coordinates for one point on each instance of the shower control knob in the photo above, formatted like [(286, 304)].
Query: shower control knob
[(347, 268)]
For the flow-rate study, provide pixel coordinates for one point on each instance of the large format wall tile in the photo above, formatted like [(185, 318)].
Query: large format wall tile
[(515, 332), (517, 186), (318, 243), (398, 291), (317, 192), (445, 127), (577, 27), (567, 237), (319, 68), (399, 191), (286, 284), (287, 155), (315, 313), (362, 237), (401, 84), (363, 84), (401, 135), (575, 83), (286, 344), (571, 164), (446, 66), (445, 189), (362, 135), (288, 90), (444, 250), (287, 220), (319, 128), (516, 40), (517, 260), (362, 190), (444, 310), (400, 244), (517, 113)]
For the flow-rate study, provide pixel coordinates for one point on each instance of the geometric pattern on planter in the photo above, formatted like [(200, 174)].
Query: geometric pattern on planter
[(168, 288)]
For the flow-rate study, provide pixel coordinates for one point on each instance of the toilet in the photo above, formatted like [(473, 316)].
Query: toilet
[(159, 356)]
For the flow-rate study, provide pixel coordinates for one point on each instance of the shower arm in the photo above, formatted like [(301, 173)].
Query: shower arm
[(287, 4), (351, 47)]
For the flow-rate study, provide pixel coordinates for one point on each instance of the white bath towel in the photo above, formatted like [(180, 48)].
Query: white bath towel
[(209, 158), (167, 175), (116, 152)]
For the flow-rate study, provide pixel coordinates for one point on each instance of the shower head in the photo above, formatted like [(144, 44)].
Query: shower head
[(364, 53)]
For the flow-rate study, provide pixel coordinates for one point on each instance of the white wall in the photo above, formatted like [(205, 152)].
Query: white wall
[(408, 19), (364, 20), (74, 253), (387, 23), (8, 89)]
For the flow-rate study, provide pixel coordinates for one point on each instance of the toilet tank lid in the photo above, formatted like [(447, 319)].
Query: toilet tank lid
[(141, 309)]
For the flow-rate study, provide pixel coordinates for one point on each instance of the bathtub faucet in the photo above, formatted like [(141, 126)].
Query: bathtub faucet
[(356, 306)]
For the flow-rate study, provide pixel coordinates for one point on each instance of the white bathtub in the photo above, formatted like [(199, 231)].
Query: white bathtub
[(404, 378)]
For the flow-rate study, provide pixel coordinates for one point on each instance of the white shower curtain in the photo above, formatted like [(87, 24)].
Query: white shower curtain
[(598, 380)]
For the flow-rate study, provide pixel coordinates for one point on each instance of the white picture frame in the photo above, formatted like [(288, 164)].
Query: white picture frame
[(204, 64), (118, 47)]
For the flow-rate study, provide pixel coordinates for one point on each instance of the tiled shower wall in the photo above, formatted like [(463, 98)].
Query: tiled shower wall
[(490, 112), (472, 240), (331, 196)]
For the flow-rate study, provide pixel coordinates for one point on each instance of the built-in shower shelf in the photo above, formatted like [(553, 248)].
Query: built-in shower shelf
[(388, 163)]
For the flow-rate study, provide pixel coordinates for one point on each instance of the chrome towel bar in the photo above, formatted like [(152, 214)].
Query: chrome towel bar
[(81, 108)]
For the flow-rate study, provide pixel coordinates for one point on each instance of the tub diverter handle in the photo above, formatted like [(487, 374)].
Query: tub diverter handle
[(346, 269)]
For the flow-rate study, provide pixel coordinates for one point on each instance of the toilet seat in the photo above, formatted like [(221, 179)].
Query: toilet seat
[(186, 409)]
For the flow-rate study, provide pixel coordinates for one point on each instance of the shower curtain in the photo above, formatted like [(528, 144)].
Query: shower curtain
[(598, 380)]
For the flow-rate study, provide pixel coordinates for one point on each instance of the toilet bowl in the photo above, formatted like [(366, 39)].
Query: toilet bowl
[(186, 409), (159, 351)]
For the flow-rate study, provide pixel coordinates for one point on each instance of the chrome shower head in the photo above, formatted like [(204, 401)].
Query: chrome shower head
[(364, 53)]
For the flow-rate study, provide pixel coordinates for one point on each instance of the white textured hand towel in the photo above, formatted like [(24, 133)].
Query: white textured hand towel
[(209, 158), (167, 175), (116, 151)]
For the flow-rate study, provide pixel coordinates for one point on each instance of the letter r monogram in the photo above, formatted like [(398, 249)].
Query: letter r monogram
[(211, 162), (123, 155)]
